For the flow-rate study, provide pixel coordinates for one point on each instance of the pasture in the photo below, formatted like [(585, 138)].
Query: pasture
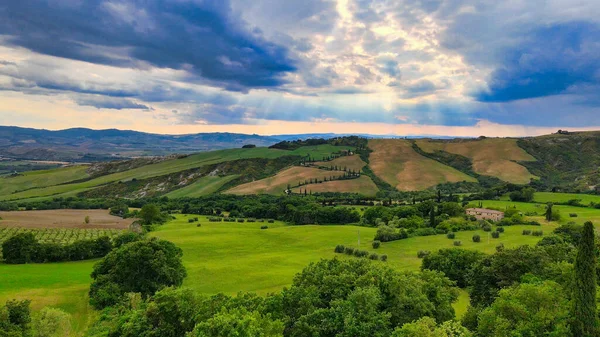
[(203, 186), (396, 162), (494, 157), (546, 197), (233, 257)]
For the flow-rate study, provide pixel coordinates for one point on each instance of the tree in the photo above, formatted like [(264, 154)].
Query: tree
[(427, 327), (585, 320), (549, 211), (527, 310), (15, 318), (150, 214), (239, 323), (20, 248), (51, 322), (140, 267), (432, 216), (87, 219), (455, 263)]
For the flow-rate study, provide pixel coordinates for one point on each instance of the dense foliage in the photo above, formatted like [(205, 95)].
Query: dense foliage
[(585, 319), (140, 267), (25, 248)]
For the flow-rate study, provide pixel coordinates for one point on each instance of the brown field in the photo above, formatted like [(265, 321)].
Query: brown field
[(63, 218), (395, 161), (278, 183), (491, 157), (351, 162), (363, 185)]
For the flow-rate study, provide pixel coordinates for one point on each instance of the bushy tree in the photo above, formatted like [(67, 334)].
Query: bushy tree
[(374, 297), (585, 319), (20, 248), (427, 327), (239, 323), (51, 322), (455, 263), (150, 215), (15, 319), (527, 310), (140, 267)]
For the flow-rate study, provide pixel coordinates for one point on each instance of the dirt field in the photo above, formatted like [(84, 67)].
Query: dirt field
[(395, 161), (64, 218), (492, 157), (277, 184), (351, 162), (363, 185)]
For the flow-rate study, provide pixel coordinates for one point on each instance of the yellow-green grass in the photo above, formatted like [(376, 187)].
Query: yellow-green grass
[(491, 157), (363, 185), (60, 285), (42, 178), (546, 197), (351, 162), (171, 166), (233, 257), (277, 184), (396, 162), (203, 186)]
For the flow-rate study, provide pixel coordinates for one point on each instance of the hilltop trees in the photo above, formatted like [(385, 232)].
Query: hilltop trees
[(585, 320)]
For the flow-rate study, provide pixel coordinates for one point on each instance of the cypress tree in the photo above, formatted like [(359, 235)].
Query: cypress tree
[(432, 216), (549, 212), (584, 315)]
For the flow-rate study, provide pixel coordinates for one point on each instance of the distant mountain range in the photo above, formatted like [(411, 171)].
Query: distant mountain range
[(87, 145)]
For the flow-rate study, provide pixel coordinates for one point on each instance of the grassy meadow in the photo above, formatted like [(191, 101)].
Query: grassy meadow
[(233, 257)]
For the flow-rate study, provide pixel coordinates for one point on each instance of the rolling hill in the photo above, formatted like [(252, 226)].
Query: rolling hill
[(567, 162)]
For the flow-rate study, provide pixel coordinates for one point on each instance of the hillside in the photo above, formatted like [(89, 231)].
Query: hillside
[(396, 162), (495, 157)]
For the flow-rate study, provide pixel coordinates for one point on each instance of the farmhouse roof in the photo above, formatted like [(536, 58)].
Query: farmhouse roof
[(482, 210)]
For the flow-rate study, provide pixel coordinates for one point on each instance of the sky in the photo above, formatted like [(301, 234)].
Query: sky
[(388, 67)]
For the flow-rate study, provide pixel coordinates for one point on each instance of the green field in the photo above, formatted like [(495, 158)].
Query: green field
[(545, 197), (233, 257), (37, 179), (203, 186), (48, 186)]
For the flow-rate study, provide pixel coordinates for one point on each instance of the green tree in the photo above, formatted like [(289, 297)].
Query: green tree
[(50, 322), (238, 323), (20, 248), (455, 263), (427, 327), (150, 214), (527, 310), (548, 213), (140, 267), (585, 320)]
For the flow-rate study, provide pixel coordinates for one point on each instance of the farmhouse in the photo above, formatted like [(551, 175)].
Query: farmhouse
[(485, 214)]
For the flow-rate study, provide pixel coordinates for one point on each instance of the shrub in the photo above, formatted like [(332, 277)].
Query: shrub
[(251, 220), (487, 228), (527, 232), (495, 235), (427, 231), (339, 249), (361, 253), (271, 221), (457, 243), (199, 225), (422, 253), (191, 220), (374, 256), (500, 230), (376, 244), (383, 257), (537, 233), (500, 247), (573, 215), (260, 220), (476, 238), (349, 251), (240, 220), (451, 235), (264, 227), (87, 219), (195, 218)]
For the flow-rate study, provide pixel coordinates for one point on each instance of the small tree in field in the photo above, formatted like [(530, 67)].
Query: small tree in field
[(87, 219)]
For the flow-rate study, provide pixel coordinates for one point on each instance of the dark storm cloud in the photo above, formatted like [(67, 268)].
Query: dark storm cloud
[(548, 62), (202, 37)]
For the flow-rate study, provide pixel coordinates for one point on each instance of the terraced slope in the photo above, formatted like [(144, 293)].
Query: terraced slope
[(363, 185), (494, 157), (396, 162), (278, 183), (351, 162)]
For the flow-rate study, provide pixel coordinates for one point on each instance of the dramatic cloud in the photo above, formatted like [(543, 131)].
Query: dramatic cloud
[(443, 65)]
